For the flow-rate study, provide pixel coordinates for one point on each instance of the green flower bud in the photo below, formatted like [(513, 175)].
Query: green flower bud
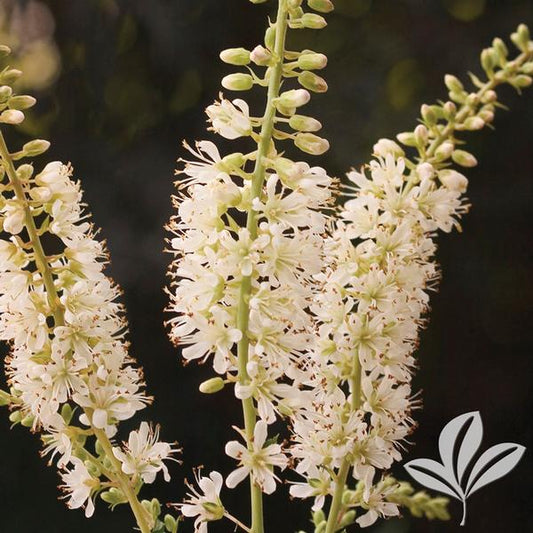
[(489, 96), (321, 528), (311, 144), (23, 101), (501, 49), (113, 497), (237, 82), (270, 37), (421, 135), (453, 83), (303, 123), (5, 398), (171, 524), (382, 148), (521, 81), (4, 50), (450, 110), (407, 138), (444, 151), (11, 116), (293, 98), (35, 147), (348, 518), (10, 76), (428, 114), (212, 385), (235, 56), (24, 172), (312, 61), (315, 22), (318, 517), (463, 158), (5, 92), (487, 60), (322, 6), (311, 81), (474, 123), (15, 417)]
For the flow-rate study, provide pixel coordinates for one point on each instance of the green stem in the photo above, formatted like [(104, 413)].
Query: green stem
[(59, 320), (243, 310), (342, 475)]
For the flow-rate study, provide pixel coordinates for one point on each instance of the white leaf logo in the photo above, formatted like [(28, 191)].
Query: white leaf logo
[(458, 443)]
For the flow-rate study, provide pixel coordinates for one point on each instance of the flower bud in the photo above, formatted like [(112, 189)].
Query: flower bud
[(501, 49), (521, 38), (171, 524), (23, 101), (235, 56), (237, 82), (425, 171), (5, 92), (487, 115), (113, 496), (5, 398), (453, 180), (463, 158), (521, 81), (387, 146), (312, 61), (450, 110), (311, 144), (10, 76), (421, 135), (444, 151), (474, 123), (11, 116), (25, 172), (303, 123), (4, 50), (311, 81), (428, 114), (347, 518), (407, 138), (318, 515), (487, 60), (260, 55), (15, 417), (212, 385), (293, 98), (315, 22), (258, 1), (322, 6), (453, 83), (27, 421), (35, 147), (270, 37), (489, 97)]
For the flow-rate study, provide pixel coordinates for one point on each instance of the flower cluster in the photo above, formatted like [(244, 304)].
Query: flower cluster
[(248, 241), (59, 312), (379, 268)]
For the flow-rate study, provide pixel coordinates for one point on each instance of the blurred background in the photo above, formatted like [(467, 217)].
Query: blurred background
[(120, 84)]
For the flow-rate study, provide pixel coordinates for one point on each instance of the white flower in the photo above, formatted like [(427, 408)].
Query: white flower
[(230, 119), (143, 454), (79, 485), (257, 462), (204, 504)]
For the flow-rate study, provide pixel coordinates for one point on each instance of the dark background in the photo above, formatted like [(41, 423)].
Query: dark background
[(121, 83)]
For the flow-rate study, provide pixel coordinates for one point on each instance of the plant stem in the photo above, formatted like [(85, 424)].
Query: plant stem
[(463, 520), (243, 311), (342, 475), (59, 320)]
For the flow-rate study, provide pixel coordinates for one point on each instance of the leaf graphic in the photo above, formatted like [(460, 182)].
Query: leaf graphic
[(448, 441), (496, 461), (470, 445), (433, 475)]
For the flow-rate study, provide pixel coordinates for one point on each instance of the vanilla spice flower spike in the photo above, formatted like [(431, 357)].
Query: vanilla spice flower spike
[(374, 299), (70, 376)]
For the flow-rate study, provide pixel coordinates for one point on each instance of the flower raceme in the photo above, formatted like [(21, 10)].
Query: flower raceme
[(378, 269), (67, 332)]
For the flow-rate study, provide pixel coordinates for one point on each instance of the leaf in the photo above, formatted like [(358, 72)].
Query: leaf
[(497, 468), (433, 475), (448, 440)]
